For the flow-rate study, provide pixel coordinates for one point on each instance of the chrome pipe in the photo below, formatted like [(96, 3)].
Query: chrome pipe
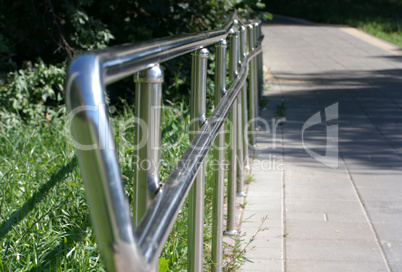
[(243, 43), (154, 229), (233, 54), (148, 138), (196, 195), (233, 117), (251, 87), (243, 50), (260, 63), (110, 213), (245, 132), (239, 158), (219, 159), (124, 60), (256, 74), (237, 27), (120, 247), (260, 72)]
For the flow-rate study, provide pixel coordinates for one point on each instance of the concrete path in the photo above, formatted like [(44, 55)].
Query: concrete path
[(330, 178)]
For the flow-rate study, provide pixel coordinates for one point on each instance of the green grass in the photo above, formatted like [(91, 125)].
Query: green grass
[(44, 218), (381, 18), (241, 246), (379, 30)]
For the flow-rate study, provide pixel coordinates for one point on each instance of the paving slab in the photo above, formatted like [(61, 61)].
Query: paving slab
[(333, 197), (329, 266)]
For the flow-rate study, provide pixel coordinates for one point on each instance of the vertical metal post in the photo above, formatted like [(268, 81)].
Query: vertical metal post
[(260, 64), (148, 138), (240, 157), (243, 40), (258, 68), (196, 194), (233, 66), (219, 159), (251, 86)]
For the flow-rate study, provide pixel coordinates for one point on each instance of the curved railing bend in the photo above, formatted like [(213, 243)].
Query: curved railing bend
[(125, 247)]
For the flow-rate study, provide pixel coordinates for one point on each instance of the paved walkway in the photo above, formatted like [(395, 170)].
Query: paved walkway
[(338, 208)]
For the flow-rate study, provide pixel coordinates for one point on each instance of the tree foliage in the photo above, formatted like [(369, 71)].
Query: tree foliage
[(49, 33), (350, 12), (58, 30)]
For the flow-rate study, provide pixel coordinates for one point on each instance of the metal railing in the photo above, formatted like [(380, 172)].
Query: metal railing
[(134, 244)]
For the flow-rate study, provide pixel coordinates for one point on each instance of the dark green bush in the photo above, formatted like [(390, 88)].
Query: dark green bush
[(56, 31), (32, 93)]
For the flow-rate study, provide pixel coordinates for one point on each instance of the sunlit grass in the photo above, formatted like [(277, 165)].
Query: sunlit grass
[(382, 19), (44, 218), (383, 31)]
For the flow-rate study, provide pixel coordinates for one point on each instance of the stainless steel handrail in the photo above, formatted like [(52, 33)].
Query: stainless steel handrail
[(124, 60), (122, 248), (175, 189)]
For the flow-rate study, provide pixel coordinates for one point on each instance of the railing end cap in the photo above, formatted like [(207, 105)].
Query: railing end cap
[(153, 74)]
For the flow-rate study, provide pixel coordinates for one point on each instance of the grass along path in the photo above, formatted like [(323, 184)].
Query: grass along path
[(380, 18), (44, 218)]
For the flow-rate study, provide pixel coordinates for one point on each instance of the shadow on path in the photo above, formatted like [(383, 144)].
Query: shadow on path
[(369, 122)]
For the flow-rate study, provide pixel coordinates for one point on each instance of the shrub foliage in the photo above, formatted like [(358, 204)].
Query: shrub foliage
[(39, 38)]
